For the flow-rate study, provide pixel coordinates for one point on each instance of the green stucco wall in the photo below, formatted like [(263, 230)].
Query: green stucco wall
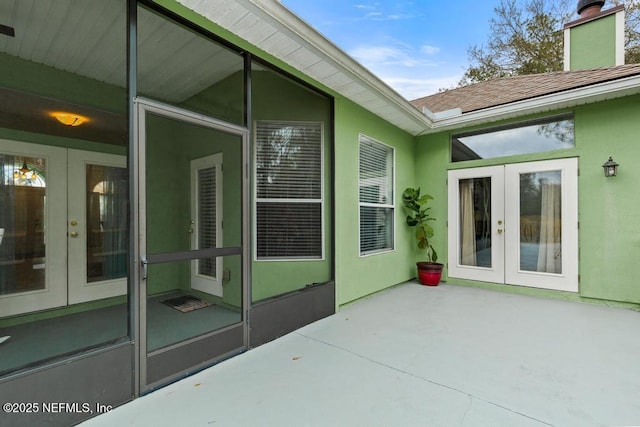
[(593, 44), (358, 276), (609, 207), (609, 211)]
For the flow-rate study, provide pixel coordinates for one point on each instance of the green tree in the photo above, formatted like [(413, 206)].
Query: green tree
[(526, 37)]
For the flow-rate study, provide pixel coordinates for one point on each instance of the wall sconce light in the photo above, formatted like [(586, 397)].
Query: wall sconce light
[(70, 119), (610, 167)]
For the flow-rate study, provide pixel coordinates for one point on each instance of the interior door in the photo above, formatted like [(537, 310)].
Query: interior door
[(33, 262), (63, 217), (515, 224), (193, 280), (98, 225)]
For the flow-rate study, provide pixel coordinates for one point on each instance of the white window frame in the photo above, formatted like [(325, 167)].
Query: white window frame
[(257, 200), (361, 139)]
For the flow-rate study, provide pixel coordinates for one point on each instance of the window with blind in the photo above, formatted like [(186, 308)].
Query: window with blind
[(288, 190), (208, 223), (376, 198)]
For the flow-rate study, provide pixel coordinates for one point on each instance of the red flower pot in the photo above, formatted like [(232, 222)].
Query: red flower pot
[(429, 273)]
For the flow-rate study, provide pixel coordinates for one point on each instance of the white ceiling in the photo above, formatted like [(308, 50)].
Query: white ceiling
[(88, 38)]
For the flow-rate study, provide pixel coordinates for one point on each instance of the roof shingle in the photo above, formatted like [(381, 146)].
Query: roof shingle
[(506, 90)]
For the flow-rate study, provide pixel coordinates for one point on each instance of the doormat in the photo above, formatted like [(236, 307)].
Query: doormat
[(186, 303)]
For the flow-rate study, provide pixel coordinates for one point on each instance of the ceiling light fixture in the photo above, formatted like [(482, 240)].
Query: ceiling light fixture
[(24, 173), (70, 119)]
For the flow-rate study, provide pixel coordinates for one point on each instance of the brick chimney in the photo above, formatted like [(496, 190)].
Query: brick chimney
[(587, 8), (596, 38)]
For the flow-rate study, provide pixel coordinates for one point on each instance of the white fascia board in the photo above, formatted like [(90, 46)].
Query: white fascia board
[(600, 92)]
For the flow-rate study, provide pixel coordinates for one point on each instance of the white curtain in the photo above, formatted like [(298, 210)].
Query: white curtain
[(550, 248), (467, 224)]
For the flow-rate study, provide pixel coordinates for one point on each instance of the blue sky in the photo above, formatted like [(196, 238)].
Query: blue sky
[(416, 47)]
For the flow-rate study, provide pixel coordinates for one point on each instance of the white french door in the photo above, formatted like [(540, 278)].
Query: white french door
[(33, 251), (63, 214), (515, 224), (97, 225)]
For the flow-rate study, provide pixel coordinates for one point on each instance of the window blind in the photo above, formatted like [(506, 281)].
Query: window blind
[(376, 196), (288, 190), (207, 218)]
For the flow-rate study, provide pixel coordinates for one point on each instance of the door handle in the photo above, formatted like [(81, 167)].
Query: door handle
[(144, 263), (74, 234)]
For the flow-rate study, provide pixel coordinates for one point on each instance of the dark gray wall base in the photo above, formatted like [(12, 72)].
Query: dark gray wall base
[(66, 394), (278, 316), (170, 365)]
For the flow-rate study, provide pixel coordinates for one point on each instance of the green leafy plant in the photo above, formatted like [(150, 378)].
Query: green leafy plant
[(419, 217)]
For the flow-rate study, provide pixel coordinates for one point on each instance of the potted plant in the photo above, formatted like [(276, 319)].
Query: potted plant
[(430, 271)]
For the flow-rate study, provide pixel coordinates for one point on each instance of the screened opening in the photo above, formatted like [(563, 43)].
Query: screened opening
[(63, 241)]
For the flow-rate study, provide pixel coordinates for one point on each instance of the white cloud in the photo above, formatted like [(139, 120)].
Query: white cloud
[(377, 12), (398, 54), (372, 56), (419, 86), (413, 73), (429, 49), (365, 6)]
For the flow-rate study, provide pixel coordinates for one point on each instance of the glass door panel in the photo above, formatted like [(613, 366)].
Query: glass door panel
[(192, 233), (32, 234), (476, 224), (541, 222)]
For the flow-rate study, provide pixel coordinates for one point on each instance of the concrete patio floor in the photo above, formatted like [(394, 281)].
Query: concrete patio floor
[(418, 356)]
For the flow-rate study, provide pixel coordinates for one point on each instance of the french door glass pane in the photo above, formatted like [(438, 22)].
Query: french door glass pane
[(106, 222), (540, 222), (475, 222), (22, 224)]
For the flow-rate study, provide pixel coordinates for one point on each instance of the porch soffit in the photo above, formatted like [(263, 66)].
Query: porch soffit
[(273, 28)]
